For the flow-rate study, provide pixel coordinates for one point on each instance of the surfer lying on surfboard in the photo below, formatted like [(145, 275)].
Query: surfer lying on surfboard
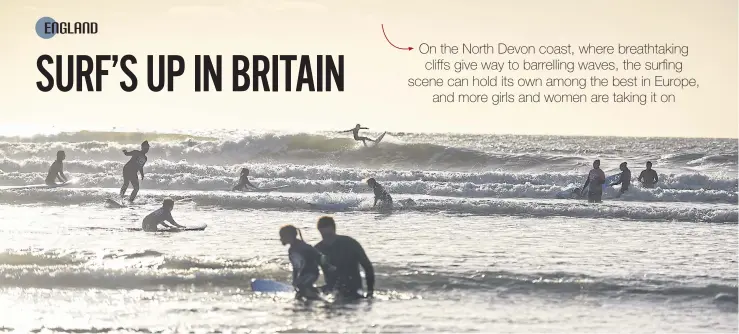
[(355, 133), (159, 216), (305, 260), (243, 181), (57, 169)]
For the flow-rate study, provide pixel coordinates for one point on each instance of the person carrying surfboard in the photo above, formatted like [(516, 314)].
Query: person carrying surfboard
[(624, 180), (355, 133), (386, 202), (132, 168), (56, 170), (305, 260), (594, 183), (346, 255), (243, 181), (159, 216)]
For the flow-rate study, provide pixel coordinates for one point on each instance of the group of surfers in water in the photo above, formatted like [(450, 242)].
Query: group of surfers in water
[(593, 187), (338, 256)]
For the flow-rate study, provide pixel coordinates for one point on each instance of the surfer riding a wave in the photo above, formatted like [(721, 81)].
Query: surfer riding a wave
[(134, 166), (355, 133)]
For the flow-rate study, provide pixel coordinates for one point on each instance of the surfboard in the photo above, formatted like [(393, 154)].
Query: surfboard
[(611, 179), (270, 286), (188, 228), (328, 207), (40, 186), (271, 188), (379, 139), (115, 204)]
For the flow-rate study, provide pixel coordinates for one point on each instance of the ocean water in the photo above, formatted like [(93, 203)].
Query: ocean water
[(484, 246)]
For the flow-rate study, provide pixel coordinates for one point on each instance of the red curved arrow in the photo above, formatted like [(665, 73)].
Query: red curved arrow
[(391, 43)]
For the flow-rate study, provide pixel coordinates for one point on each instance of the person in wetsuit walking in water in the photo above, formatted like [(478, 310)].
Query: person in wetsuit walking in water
[(648, 177), (355, 132), (594, 183), (56, 171), (132, 168), (346, 255), (624, 180)]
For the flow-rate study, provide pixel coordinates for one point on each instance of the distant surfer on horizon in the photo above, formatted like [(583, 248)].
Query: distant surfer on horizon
[(243, 181), (305, 260), (648, 177), (594, 183), (56, 170), (624, 180), (132, 168), (355, 133), (159, 216), (386, 202), (346, 255)]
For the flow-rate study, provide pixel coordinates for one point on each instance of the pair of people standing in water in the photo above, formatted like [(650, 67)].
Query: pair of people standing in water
[(130, 171)]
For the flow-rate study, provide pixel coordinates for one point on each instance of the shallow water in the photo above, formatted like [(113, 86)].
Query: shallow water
[(84, 271), (484, 246)]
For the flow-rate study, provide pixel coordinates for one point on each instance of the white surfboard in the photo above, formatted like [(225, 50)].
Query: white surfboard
[(379, 139), (187, 228), (271, 188), (270, 286), (40, 186), (611, 179)]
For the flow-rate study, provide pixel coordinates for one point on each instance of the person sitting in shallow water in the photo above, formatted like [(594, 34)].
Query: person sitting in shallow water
[(243, 181), (381, 195), (56, 171)]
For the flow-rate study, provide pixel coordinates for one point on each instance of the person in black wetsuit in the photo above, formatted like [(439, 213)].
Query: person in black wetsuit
[(243, 181), (624, 180), (159, 216), (380, 195), (57, 169), (355, 132), (346, 254), (132, 168), (648, 177), (594, 183), (304, 259)]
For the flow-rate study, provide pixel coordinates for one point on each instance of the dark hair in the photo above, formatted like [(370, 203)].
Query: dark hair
[(596, 160), (649, 162), (289, 230), (326, 221), (168, 202)]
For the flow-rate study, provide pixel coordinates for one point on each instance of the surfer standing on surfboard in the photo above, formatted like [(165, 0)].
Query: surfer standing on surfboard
[(159, 216), (355, 132), (243, 181), (57, 169), (132, 168)]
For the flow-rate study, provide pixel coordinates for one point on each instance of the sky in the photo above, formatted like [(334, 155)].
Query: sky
[(376, 91)]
